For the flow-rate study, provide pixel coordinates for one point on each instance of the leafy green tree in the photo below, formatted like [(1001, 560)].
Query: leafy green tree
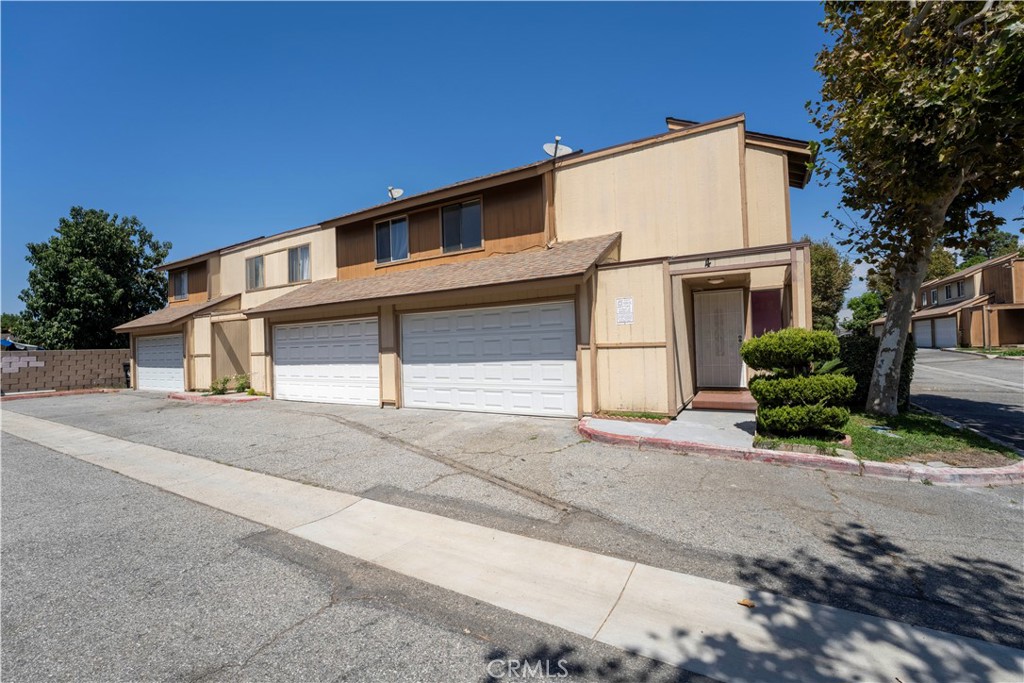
[(95, 273), (831, 275), (943, 263), (995, 243), (863, 309), (922, 115)]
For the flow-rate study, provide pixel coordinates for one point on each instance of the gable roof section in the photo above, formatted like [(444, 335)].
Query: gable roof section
[(966, 272), (565, 259), (172, 314), (948, 309)]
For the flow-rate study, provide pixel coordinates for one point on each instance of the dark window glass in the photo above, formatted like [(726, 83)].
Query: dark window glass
[(461, 226), (179, 285), (392, 240), (383, 242)]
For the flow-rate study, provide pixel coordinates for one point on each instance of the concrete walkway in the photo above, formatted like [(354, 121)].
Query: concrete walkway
[(734, 429), (682, 620)]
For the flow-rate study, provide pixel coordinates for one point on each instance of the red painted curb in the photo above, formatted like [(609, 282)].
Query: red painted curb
[(219, 400), (51, 394), (947, 476)]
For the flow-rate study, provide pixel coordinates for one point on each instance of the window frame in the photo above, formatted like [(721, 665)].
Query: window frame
[(176, 293), (477, 199), (309, 262), (408, 246), (948, 291), (934, 296), (262, 272), (961, 288)]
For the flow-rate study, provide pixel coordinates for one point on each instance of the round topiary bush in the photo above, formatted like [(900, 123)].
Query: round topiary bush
[(798, 396)]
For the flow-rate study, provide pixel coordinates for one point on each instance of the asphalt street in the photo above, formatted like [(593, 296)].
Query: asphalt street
[(987, 394), (108, 579)]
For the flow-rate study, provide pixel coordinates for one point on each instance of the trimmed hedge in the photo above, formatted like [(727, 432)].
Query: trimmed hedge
[(804, 391), (793, 349), (792, 400), (797, 419), (858, 353)]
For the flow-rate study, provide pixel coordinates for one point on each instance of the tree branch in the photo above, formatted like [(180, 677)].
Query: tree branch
[(970, 20), (918, 18)]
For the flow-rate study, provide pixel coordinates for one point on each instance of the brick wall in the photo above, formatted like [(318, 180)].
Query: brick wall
[(61, 370)]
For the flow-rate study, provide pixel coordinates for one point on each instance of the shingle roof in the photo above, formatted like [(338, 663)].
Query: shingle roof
[(171, 314), (564, 259), (970, 271), (948, 309)]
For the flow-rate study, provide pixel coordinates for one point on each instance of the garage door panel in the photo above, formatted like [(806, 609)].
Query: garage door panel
[(331, 362), (923, 334), (510, 359), (945, 333), (159, 363)]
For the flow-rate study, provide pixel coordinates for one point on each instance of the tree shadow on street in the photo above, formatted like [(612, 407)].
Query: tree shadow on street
[(797, 641)]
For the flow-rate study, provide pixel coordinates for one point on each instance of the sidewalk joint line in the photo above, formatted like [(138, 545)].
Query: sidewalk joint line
[(616, 604)]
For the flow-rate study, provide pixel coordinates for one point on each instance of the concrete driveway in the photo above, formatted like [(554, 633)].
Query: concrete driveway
[(985, 394), (939, 557)]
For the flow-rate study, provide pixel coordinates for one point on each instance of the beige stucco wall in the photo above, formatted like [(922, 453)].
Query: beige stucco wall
[(768, 278), (767, 190), (259, 360), (322, 257), (673, 198), (633, 360)]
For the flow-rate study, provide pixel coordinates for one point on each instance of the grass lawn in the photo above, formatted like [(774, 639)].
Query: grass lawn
[(921, 438), (1002, 351)]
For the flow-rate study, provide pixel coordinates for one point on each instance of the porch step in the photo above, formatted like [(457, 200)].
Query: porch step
[(723, 399)]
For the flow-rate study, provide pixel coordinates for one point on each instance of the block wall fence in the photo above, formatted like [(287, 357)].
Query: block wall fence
[(61, 370)]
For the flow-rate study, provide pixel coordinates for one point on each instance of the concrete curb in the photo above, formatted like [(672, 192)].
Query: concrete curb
[(978, 354), (217, 400), (51, 394), (946, 476)]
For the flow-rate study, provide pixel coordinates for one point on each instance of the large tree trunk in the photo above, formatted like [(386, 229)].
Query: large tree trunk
[(883, 395)]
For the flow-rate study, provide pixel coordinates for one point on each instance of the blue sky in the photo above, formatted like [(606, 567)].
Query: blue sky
[(214, 123)]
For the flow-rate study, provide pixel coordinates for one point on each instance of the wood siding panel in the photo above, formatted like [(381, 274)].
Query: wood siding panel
[(998, 281), (197, 286), (767, 190), (513, 221), (230, 341)]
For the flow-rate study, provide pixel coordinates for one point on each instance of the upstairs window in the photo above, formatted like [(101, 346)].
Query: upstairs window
[(392, 240), (254, 273), (179, 285), (461, 226), (960, 288), (298, 264), (935, 296), (949, 291), (924, 299)]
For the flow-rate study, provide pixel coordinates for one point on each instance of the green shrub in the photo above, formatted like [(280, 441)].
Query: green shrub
[(242, 383), (792, 351), (858, 352), (803, 391), (220, 386), (801, 419)]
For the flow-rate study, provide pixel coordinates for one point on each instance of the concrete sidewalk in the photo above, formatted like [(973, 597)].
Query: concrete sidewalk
[(734, 429), (683, 620)]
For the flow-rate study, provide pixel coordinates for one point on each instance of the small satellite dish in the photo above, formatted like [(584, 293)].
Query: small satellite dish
[(395, 192), (556, 148)]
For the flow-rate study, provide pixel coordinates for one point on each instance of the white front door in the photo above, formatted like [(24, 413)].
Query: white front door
[(923, 334), (505, 359), (331, 362), (719, 323), (160, 363), (945, 333)]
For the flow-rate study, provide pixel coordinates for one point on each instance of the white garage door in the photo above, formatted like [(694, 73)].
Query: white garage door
[(159, 363), (945, 333), (508, 359), (923, 334), (332, 362)]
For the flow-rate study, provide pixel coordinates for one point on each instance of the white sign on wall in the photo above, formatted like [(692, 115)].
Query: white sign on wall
[(624, 311)]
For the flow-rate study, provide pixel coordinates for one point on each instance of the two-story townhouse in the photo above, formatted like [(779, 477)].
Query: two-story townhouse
[(618, 280), (980, 306), (203, 333)]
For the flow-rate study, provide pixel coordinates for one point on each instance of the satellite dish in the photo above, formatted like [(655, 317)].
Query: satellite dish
[(556, 148), (395, 192)]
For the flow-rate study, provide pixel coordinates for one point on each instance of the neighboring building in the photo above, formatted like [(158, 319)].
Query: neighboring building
[(980, 306), (618, 280)]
